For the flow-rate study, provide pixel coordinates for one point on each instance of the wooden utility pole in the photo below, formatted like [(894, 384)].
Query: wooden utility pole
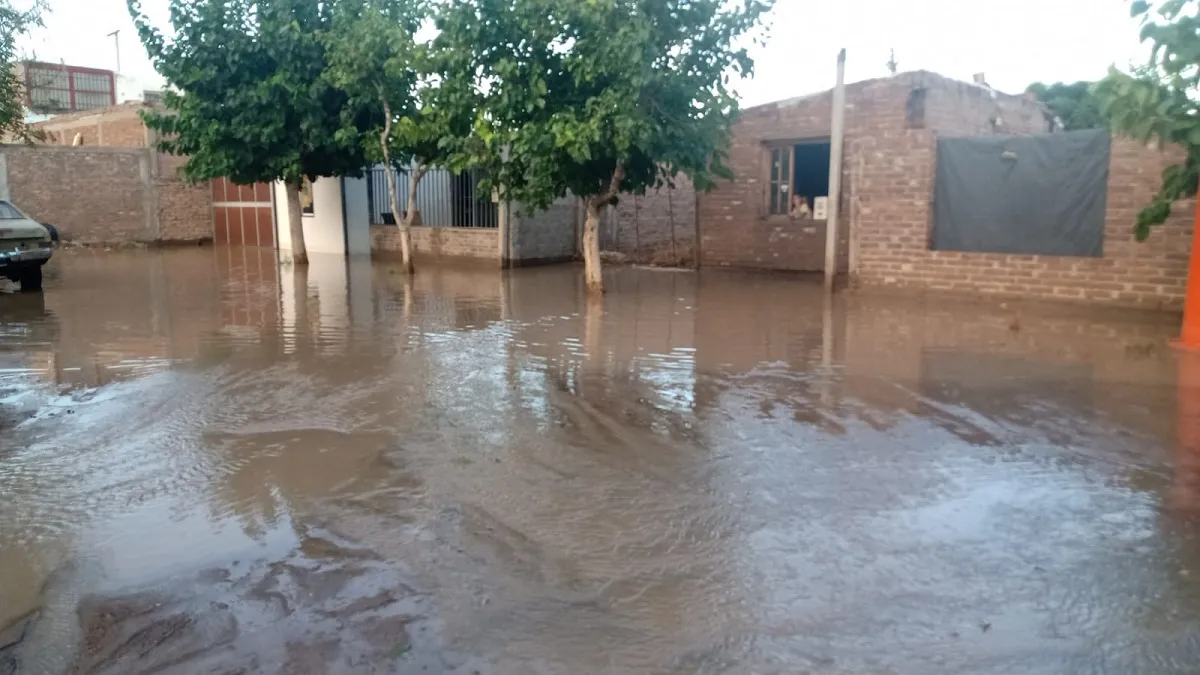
[(836, 137)]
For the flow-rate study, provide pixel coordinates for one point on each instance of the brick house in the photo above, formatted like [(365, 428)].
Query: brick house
[(747, 222), (892, 129)]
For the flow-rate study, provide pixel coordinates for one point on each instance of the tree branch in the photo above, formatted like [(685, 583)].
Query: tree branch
[(386, 134), (614, 187)]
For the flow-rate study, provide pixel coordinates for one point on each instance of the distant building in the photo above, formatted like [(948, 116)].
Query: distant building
[(55, 88), (118, 126)]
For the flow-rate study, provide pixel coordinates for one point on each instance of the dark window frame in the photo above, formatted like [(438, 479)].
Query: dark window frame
[(777, 199)]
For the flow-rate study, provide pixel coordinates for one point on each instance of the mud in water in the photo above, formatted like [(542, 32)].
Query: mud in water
[(213, 464)]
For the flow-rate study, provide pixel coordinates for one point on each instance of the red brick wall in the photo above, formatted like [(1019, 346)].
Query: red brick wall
[(91, 195), (108, 195), (892, 217), (464, 243), (184, 209), (116, 127), (734, 228)]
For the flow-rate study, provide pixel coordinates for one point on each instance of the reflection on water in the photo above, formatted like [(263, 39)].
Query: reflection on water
[(475, 471)]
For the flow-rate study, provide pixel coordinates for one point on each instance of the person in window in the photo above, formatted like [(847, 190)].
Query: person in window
[(800, 210)]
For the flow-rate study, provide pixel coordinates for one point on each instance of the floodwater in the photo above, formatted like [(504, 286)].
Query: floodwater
[(211, 464)]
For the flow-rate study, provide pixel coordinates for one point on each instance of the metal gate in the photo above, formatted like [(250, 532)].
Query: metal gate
[(242, 214), (445, 199)]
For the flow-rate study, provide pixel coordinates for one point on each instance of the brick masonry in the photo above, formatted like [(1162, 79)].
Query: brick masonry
[(113, 203), (735, 228), (184, 209), (467, 244), (546, 236), (117, 127), (892, 229), (91, 195), (892, 126), (106, 195), (657, 228)]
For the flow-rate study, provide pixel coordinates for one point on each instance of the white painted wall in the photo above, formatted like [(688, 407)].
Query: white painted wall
[(324, 231)]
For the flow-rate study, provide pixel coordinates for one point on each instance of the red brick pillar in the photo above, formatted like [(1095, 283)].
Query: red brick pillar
[(1189, 338)]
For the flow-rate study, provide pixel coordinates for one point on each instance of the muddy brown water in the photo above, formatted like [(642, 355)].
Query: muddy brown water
[(209, 463)]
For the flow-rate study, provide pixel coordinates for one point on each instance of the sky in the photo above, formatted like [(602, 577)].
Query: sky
[(1014, 42)]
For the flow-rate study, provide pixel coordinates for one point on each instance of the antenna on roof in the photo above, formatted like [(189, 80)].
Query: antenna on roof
[(116, 36), (892, 66)]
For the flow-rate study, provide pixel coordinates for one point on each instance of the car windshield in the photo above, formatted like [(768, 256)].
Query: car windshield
[(9, 212)]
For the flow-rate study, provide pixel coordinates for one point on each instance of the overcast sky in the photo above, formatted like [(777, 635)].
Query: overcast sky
[(1014, 42)]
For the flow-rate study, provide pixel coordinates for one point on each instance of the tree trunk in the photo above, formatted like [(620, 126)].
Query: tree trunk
[(394, 200), (412, 218), (295, 223), (385, 137), (591, 245), (596, 204)]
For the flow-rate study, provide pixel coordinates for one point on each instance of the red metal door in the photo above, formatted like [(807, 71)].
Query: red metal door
[(242, 214)]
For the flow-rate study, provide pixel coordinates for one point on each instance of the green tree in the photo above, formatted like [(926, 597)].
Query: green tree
[(15, 22), (248, 99), (375, 59), (597, 98), (1159, 101), (1072, 103)]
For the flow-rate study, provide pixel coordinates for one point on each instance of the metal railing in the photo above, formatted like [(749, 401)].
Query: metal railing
[(444, 199)]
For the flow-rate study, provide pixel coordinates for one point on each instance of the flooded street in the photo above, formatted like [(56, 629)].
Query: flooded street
[(211, 464)]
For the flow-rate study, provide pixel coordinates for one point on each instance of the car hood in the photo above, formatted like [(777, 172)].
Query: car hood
[(22, 228)]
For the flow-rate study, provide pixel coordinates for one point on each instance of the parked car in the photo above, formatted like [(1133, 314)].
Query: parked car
[(25, 245)]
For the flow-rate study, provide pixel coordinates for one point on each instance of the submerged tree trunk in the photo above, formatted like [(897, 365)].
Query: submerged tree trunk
[(402, 222), (591, 246), (393, 198), (596, 205), (295, 223), (412, 218)]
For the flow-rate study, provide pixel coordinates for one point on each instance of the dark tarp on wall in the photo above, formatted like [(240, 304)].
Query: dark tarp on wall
[(1041, 194)]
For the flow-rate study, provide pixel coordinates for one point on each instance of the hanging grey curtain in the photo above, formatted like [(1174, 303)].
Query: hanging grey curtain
[(1043, 194)]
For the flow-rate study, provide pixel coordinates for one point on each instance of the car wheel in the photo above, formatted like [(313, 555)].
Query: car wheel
[(52, 230), (31, 280)]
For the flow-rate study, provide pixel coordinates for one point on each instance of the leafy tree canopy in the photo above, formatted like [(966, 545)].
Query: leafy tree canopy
[(15, 21), (374, 57), (596, 98), (589, 97), (247, 98), (1159, 101), (1072, 103)]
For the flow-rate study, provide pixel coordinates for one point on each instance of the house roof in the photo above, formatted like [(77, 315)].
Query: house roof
[(913, 77)]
